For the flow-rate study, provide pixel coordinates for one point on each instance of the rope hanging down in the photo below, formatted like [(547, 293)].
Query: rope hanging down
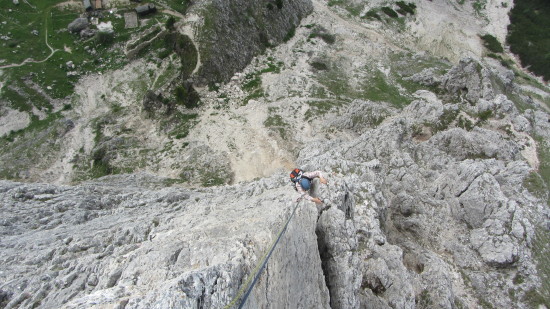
[(259, 268)]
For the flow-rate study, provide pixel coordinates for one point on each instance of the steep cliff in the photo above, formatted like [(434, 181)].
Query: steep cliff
[(437, 169)]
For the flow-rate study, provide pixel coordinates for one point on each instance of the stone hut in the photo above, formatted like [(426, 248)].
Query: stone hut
[(87, 5)]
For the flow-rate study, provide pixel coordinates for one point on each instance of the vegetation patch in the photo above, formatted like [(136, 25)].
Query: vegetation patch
[(407, 8), (290, 34), (33, 145), (323, 34), (389, 11), (479, 6), (543, 184), (424, 300), (491, 43), (321, 107), (377, 88), (180, 124), (444, 120), (528, 35), (464, 123), (373, 14), (541, 251), (277, 123)]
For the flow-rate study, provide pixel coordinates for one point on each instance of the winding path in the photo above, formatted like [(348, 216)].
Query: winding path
[(30, 60)]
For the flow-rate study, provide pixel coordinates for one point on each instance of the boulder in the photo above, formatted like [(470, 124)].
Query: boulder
[(78, 25), (87, 33)]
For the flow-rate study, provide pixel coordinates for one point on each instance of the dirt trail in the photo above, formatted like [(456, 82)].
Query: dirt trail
[(30, 60)]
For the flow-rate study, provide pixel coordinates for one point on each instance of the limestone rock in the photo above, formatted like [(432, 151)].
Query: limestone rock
[(78, 25)]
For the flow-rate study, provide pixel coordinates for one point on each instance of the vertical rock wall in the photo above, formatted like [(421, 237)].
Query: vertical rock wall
[(294, 277), (234, 31)]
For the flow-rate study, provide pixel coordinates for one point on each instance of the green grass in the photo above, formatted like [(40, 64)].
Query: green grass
[(424, 300), (444, 120), (185, 123), (254, 81), (377, 88), (543, 150), (319, 108), (23, 149), (277, 123), (479, 6), (541, 251), (51, 75)]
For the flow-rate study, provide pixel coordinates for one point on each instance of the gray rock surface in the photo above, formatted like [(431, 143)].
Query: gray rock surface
[(109, 244), (229, 39), (78, 25)]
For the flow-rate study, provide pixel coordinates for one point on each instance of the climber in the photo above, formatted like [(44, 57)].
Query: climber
[(301, 181)]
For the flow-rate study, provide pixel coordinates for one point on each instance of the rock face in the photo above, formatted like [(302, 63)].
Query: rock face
[(235, 31), (78, 25), (95, 245)]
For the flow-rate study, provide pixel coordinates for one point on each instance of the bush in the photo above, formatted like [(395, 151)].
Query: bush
[(372, 14), (491, 43), (105, 38), (322, 33), (186, 95), (319, 66), (290, 34), (170, 23), (407, 7), (390, 12)]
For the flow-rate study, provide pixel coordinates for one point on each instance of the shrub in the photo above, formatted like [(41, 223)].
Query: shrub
[(319, 65), (465, 123), (187, 96), (279, 4), (290, 34), (390, 12), (323, 34), (483, 116), (372, 14), (105, 38), (170, 23), (491, 43), (407, 7)]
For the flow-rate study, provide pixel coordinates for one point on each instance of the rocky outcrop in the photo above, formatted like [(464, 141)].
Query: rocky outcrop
[(235, 31), (78, 25), (118, 243)]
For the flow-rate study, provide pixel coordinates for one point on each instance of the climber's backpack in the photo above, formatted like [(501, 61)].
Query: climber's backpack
[(295, 176)]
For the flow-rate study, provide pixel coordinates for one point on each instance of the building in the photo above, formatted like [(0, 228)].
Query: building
[(87, 5), (98, 5)]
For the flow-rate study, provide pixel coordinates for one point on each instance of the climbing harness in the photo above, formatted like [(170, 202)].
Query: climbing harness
[(259, 267)]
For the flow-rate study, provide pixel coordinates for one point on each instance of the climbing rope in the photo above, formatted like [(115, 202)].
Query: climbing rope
[(259, 267)]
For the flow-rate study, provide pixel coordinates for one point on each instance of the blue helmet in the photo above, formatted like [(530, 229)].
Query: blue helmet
[(305, 184)]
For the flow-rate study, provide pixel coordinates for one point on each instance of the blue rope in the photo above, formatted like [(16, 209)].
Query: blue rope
[(260, 270)]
